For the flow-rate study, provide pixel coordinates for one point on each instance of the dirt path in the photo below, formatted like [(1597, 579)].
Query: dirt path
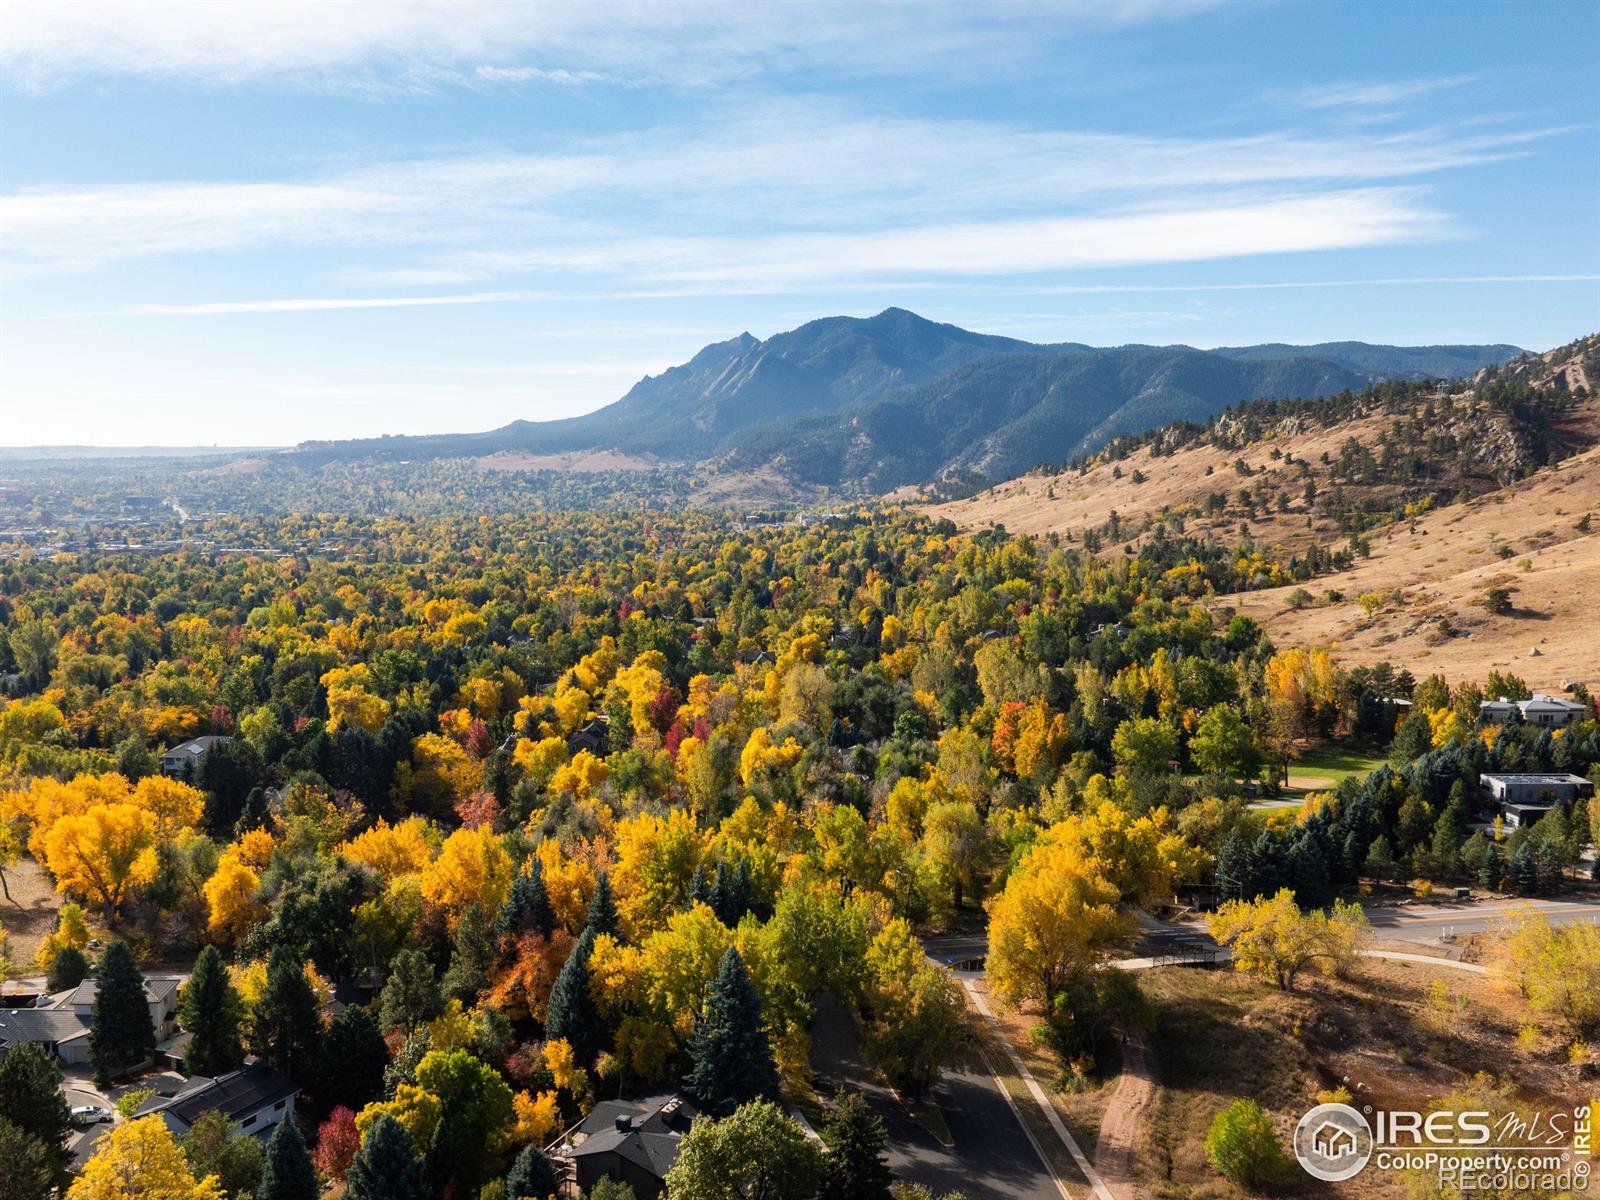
[(1124, 1117)]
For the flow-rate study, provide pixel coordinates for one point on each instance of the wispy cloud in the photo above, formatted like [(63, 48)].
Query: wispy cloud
[(1374, 93), (822, 188), (356, 44)]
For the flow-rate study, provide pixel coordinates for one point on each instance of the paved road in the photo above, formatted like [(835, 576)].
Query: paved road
[(1432, 922), (992, 1158)]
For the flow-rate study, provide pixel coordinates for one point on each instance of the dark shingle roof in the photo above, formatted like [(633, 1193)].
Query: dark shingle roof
[(19, 1025), (654, 1133), (236, 1094)]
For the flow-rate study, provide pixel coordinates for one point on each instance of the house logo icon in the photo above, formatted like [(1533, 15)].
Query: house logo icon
[(1333, 1142)]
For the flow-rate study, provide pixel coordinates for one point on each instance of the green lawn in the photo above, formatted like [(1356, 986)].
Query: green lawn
[(1333, 762)]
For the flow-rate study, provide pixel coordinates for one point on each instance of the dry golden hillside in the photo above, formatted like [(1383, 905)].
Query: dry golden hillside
[(1434, 578)]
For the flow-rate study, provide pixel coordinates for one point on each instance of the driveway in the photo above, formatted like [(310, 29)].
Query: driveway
[(80, 1090), (991, 1158)]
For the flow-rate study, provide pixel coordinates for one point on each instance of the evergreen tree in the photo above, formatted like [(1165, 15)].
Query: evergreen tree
[(1234, 868), (287, 1030), (732, 1059), (527, 909), (31, 1099), (411, 995), (603, 909), (25, 1164), (210, 1012), (571, 1013), (386, 1166), (700, 885), (1493, 869), (121, 1033), (472, 957), (532, 1176), (439, 1163), (1308, 873), (288, 1174), (1524, 871), (855, 1168), (353, 1060), (1547, 866), (1380, 860), (69, 969)]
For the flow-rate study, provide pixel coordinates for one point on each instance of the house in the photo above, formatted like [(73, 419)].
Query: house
[(61, 1022), (1525, 798), (183, 761), (633, 1142), (1545, 712), (256, 1098), (594, 737), (1334, 1141)]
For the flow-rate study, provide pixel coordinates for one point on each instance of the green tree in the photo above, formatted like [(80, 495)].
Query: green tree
[(121, 1034), (287, 1173), (732, 1059), (1242, 1145), (756, 1152), (527, 909), (25, 1164), (210, 1011), (31, 1099), (603, 909), (475, 1106), (411, 994), (1144, 746), (855, 1168), (33, 648), (386, 1167), (1222, 743), (237, 1160), (532, 1176), (571, 1013), (287, 1029), (67, 971), (472, 957), (353, 1060)]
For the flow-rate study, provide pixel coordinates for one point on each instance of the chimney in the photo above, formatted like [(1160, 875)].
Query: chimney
[(624, 1123)]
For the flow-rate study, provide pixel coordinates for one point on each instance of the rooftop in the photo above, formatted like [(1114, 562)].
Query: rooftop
[(236, 1094)]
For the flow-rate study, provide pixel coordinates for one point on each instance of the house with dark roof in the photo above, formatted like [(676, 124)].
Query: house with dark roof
[(594, 736), (255, 1098), (1523, 798), (631, 1141), (183, 760), (61, 1022)]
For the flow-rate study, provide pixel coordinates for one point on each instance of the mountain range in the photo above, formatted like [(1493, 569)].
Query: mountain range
[(873, 403)]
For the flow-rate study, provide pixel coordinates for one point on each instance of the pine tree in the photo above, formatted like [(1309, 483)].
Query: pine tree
[(571, 1013), (532, 1175), (121, 1033), (386, 1166), (411, 995), (855, 1168), (603, 909), (439, 1163), (1524, 871), (25, 1165), (31, 1099), (732, 1059), (210, 1012), (288, 1174), (471, 959), (1493, 868), (67, 971), (287, 1030), (353, 1060), (700, 885), (527, 909)]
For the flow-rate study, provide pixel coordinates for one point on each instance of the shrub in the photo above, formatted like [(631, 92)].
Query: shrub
[(1242, 1145)]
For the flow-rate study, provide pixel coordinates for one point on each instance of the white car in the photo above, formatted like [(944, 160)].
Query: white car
[(90, 1114)]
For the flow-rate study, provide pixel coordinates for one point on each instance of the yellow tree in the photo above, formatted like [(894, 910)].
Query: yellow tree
[(103, 853), (1053, 921), (1274, 940), (141, 1161), (472, 868), (71, 931), (656, 858), (175, 806), (392, 850), (230, 896)]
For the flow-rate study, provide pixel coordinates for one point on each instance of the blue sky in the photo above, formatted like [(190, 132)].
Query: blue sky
[(259, 223)]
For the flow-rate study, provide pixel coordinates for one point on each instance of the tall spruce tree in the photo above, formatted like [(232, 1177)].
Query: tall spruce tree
[(287, 1029), (288, 1173), (210, 1012), (386, 1167), (472, 957), (31, 1099), (411, 993), (856, 1168), (571, 1013), (603, 909), (67, 971), (732, 1059), (527, 909), (532, 1176), (121, 1034), (353, 1060)]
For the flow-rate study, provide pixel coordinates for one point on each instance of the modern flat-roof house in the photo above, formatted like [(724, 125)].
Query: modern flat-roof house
[(61, 1022), (256, 1098), (183, 760), (1525, 798), (1545, 712), (634, 1142)]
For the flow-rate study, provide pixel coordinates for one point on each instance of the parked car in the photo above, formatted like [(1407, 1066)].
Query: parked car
[(90, 1114)]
